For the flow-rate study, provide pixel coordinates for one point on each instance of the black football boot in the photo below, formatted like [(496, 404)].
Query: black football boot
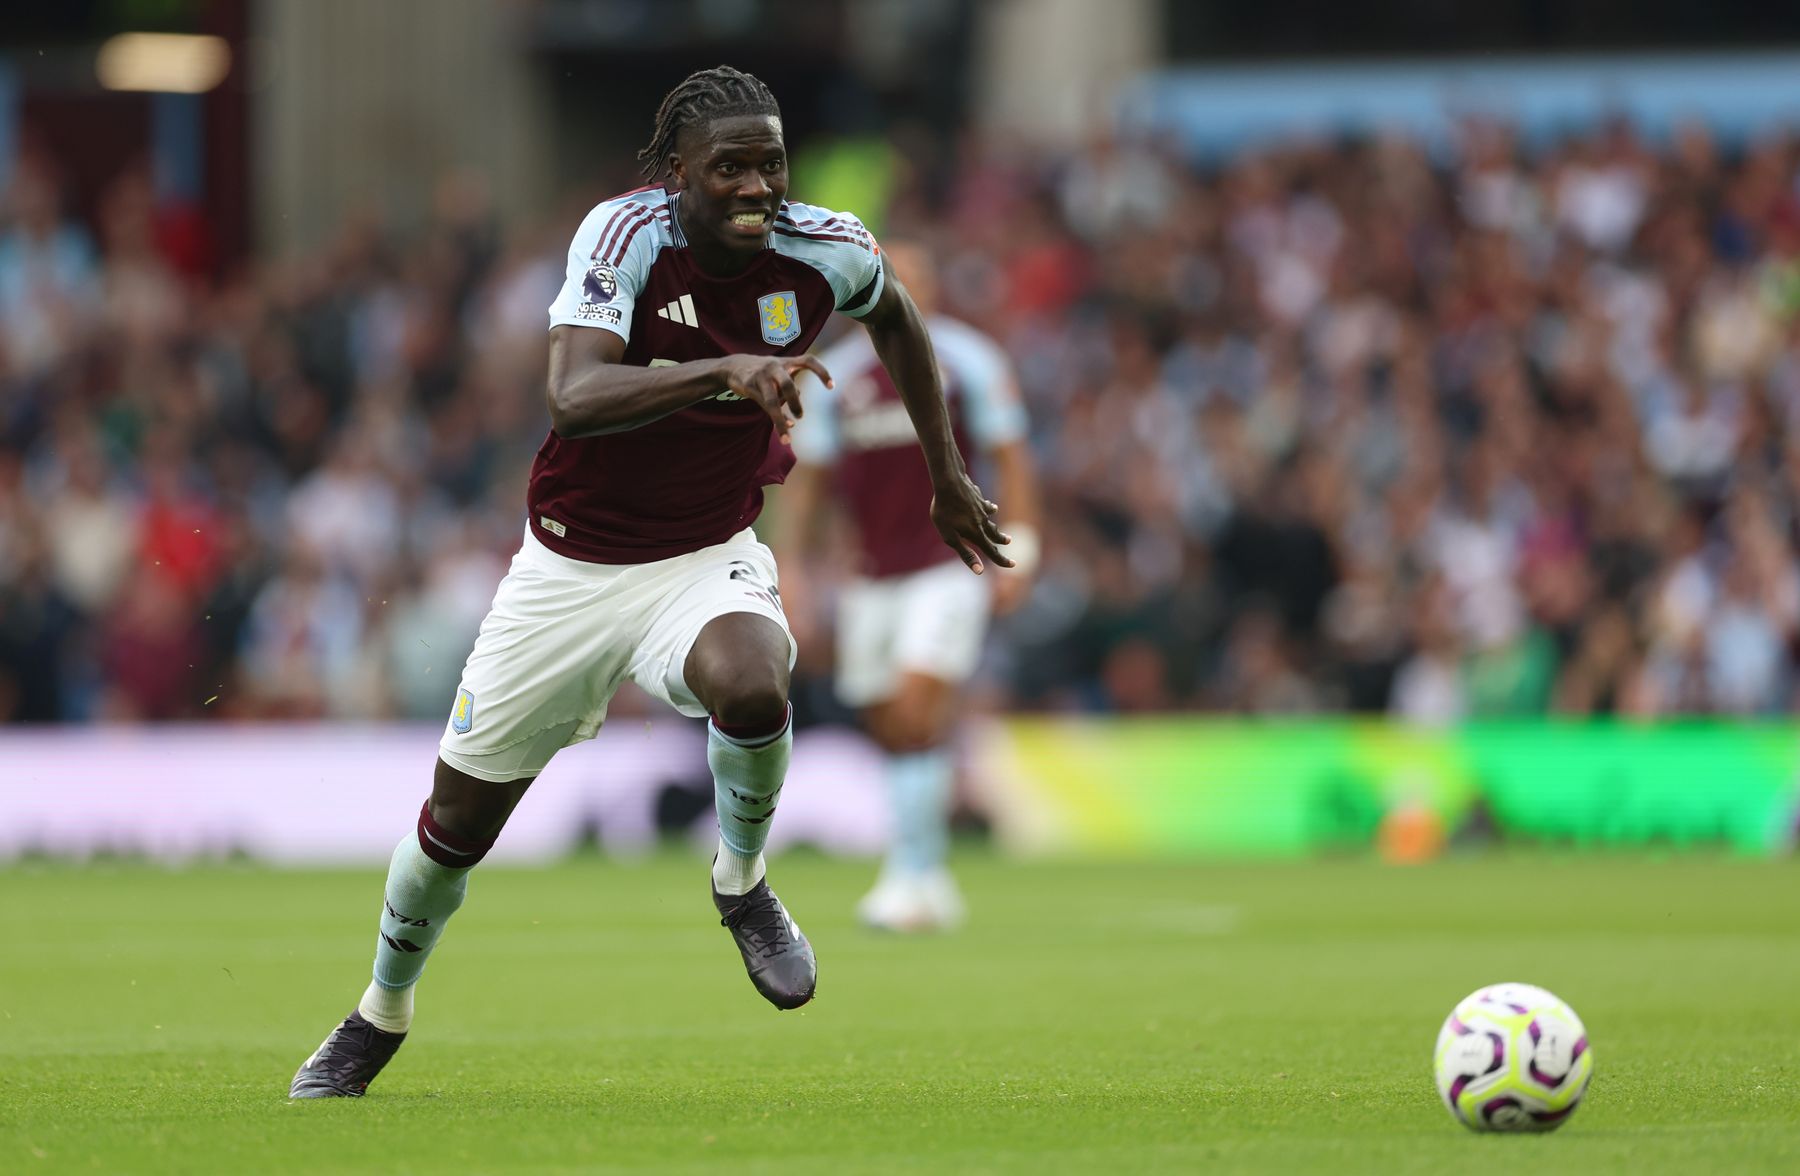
[(777, 956), (344, 1066)]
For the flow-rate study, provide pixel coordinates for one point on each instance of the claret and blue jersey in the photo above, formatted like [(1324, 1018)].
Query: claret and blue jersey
[(861, 430), (695, 477)]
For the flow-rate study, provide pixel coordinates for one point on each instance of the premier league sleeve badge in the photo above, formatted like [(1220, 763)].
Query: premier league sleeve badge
[(601, 283)]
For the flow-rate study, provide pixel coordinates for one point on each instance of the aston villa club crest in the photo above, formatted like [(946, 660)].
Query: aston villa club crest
[(780, 318)]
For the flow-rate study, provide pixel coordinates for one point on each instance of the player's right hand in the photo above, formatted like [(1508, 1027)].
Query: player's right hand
[(769, 381)]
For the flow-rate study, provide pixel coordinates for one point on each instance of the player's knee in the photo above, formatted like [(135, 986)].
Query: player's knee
[(914, 733), (898, 729), (472, 808), (920, 723), (738, 669), (757, 700), (472, 818)]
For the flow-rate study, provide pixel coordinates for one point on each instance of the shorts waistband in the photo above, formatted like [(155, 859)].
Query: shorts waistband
[(534, 550)]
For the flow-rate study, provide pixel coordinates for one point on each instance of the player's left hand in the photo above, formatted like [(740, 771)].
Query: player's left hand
[(964, 518)]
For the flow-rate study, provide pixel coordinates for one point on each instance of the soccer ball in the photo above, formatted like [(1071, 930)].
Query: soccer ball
[(1512, 1057)]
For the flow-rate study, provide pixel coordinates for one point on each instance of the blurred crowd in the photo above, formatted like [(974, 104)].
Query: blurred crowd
[(1490, 430)]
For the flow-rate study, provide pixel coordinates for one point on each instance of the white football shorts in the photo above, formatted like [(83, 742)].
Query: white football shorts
[(564, 634), (930, 622)]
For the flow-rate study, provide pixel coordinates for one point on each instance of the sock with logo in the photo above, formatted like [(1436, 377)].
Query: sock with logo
[(426, 881), (919, 793), (748, 767)]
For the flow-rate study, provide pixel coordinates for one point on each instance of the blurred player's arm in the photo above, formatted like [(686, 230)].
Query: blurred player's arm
[(962, 514), (804, 506), (801, 510), (802, 495), (994, 412), (589, 392), (1017, 474)]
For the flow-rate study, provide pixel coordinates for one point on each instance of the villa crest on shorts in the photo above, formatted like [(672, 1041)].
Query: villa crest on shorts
[(695, 477)]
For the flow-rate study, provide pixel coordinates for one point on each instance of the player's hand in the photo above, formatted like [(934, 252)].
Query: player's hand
[(965, 519), (768, 380)]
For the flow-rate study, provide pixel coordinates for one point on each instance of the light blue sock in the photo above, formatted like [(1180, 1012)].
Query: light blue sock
[(419, 899), (919, 790), (747, 778)]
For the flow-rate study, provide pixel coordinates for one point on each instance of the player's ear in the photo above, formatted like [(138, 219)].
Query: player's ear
[(677, 172)]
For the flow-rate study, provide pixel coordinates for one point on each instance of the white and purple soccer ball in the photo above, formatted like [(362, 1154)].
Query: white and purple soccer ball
[(1512, 1057)]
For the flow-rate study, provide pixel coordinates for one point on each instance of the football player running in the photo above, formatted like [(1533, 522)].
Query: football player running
[(687, 309)]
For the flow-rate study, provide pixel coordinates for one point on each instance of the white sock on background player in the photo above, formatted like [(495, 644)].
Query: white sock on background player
[(748, 769)]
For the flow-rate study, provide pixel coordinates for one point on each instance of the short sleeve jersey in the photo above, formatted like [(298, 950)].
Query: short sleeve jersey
[(695, 477), (862, 431)]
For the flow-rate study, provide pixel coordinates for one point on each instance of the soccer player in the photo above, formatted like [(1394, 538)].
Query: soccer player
[(686, 311), (910, 625)]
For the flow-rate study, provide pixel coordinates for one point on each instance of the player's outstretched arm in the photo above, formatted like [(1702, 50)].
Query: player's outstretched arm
[(961, 513), (589, 392)]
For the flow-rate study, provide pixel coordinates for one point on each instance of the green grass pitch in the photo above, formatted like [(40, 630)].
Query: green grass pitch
[(1092, 1018)]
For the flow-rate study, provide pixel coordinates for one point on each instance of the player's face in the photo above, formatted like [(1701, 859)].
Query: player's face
[(732, 174)]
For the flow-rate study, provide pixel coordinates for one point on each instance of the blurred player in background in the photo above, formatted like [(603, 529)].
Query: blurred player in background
[(683, 318), (910, 626)]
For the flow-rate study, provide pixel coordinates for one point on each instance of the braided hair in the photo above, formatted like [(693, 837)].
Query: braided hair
[(703, 96)]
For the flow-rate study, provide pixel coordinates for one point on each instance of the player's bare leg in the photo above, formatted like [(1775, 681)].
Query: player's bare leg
[(426, 882), (912, 726), (738, 669)]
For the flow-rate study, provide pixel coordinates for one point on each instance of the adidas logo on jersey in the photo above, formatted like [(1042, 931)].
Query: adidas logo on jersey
[(681, 311)]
